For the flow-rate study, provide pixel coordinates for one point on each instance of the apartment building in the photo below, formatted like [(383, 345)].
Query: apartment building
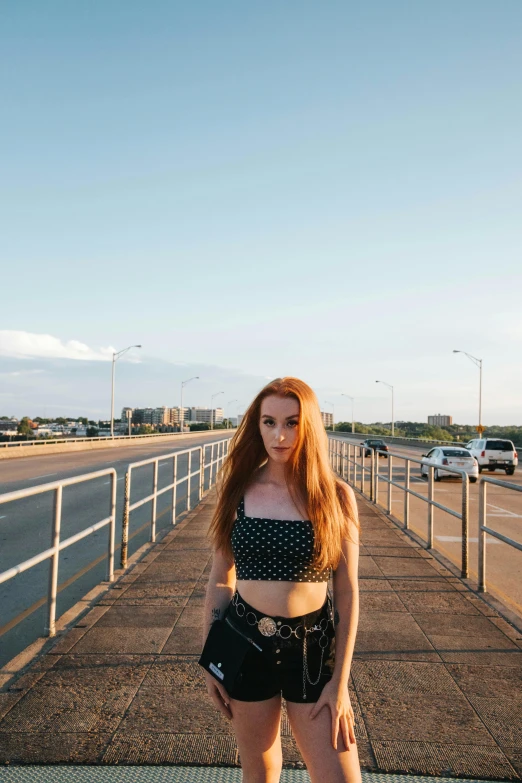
[(440, 421)]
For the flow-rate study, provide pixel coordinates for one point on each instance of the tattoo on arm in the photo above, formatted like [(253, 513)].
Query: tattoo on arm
[(336, 617), (216, 614)]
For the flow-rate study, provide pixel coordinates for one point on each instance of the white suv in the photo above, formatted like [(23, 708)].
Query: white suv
[(493, 453)]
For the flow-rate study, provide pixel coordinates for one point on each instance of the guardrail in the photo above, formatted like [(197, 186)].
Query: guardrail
[(222, 451), (484, 529), (58, 546), (102, 438), (341, 459)]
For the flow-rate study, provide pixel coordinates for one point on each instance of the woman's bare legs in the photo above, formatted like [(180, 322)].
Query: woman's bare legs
[(314, 739), (256, 725)]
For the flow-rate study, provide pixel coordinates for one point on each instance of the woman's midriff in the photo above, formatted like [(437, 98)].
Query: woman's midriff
[(285, 599)]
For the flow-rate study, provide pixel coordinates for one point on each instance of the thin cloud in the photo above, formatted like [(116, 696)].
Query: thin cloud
[(25, 345)]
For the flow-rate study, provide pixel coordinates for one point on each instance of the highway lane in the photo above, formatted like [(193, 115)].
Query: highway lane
[(26, 525), (504, 514)]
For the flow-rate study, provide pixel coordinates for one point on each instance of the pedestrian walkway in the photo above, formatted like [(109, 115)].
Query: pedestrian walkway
[(436, 677)]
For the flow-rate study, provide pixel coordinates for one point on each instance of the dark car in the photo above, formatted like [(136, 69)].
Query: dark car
[(374, 443)]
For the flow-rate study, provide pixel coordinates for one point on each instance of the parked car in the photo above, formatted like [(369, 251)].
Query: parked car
[(493, 453), (454, 457), (374, 443)]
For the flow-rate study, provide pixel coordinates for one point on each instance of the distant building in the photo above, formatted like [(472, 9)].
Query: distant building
[(327, 419), (202, 415), (8, 425), (440, 421)]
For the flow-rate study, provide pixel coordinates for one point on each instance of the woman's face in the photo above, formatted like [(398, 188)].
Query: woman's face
[(278, 423)]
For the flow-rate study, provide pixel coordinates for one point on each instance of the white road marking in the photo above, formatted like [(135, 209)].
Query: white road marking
[(504, 512), (120, 479), (44, 476), (458, 539), (4, 516)]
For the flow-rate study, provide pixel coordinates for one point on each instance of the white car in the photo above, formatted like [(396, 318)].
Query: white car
[(453, 457), (493, 453)]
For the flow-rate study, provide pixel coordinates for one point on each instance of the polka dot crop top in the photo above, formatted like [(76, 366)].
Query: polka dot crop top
[(274, 549)]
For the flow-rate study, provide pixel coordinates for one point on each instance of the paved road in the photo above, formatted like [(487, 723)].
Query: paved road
[(25, 525), (504, 514)]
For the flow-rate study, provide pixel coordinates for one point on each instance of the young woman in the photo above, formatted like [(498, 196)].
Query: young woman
[(284, 524)]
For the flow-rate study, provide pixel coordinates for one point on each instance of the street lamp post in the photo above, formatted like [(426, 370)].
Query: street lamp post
[(390, 387), (181, 417), (115, 356), (352, 399), (211, 417), (228, 403), (478, 362), (333, 414)]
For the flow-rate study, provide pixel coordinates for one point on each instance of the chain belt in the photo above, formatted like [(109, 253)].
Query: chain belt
[(267, 626)]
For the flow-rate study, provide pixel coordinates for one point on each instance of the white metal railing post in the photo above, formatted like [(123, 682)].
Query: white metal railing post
[(390, 478), (430, 507), (202, 470), (175, 487), (125, 521), (373, 457), (154, 500), (363, 477), (53, 563), (112, 528), (465, 527), (376, 492), (482, 538), (406, 493)]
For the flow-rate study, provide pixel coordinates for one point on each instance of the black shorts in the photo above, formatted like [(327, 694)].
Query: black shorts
[(279, 667)]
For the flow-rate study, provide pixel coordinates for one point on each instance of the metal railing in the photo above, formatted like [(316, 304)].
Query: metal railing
[(102, 438), (221, 446), (484, 529), (57, 546), (341, 459)]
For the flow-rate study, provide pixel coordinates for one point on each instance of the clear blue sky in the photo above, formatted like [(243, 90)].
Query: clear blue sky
[(329, 190)]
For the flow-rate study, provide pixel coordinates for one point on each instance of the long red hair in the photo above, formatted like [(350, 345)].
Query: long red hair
[(311, 480)]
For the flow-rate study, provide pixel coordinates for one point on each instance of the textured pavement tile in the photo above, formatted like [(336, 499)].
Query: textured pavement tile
[(366, 755), (185, 641), (182, 557), (431, 601), (98, 671), (137, 641), (381, 602), (487, 681), (397, 677), (368, 567), (375, 584), (168, 748), (49, 748), (502, 716), (390, 632), (482, 657), (181, 712), (55, 710), (404, 566), (421, 584), (391, 551), (34, 673), (515, 758), (472, 643), (417, 758), (446, 624), (140, 616), (432, 718), (192, 617), (176, 671), (385, 538), (8, 700), (164, 572), (68, 640), (161, 594), (291, 753)]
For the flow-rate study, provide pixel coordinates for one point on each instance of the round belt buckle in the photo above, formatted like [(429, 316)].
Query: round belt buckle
[(267, 626)]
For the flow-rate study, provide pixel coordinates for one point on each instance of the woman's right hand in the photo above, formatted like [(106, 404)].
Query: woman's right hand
[(218, 695)]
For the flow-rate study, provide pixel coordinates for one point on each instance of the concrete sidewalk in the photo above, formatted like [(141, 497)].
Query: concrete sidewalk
[(436, 678)]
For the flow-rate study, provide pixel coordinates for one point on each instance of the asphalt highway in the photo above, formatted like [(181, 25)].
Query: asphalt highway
[(504, 514), (26, 524)]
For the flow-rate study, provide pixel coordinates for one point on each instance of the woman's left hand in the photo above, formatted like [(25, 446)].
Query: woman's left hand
[(337, 699)]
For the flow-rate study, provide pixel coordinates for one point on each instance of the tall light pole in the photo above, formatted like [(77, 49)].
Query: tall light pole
[(390, 387), (352, 399), (228, 403), (478, 362), (333, 414), (214, 395), (115, 356), (181, 417)]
